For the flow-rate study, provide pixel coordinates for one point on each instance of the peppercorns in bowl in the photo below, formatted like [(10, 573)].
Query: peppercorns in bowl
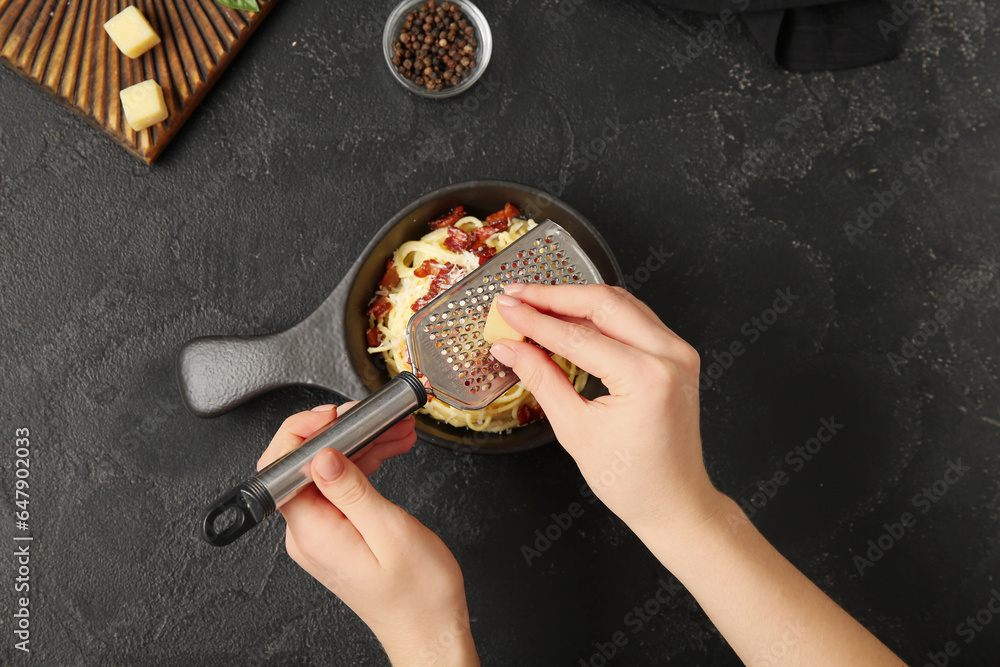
[(437, 49)]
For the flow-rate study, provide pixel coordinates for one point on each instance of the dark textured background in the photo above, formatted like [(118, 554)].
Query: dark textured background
[(108, 266)]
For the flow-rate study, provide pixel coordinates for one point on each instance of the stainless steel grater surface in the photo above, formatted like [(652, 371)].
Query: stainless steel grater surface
[(445, 338)]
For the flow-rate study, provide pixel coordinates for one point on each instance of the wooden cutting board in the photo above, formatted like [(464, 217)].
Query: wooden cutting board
[(61, 45)]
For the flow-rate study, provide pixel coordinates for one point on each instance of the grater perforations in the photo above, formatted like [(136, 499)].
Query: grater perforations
[(445, 339)]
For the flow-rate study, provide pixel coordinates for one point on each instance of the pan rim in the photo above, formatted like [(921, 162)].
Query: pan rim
[(466, 442)]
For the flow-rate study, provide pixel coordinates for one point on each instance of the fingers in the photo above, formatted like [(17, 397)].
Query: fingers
[(383, 450), (301, 426), (401, 429), (615, 312), (295, 430), (317, 533), (582, 321), (399, 439), (542, 377), (611, 360), (343, 484)]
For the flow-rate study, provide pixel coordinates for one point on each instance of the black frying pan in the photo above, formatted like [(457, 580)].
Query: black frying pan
[(328, 349)]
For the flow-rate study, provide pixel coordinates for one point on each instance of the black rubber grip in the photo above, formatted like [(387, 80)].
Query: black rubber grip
[(252, 502)]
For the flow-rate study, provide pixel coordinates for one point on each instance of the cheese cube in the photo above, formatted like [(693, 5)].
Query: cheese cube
[(496, 327), (144, 105), (131, 32)]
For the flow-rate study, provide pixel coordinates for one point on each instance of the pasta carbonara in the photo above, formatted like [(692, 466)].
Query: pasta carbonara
[(421, 270)]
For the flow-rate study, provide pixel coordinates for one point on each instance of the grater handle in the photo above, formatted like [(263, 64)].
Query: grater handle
[(258, 497)]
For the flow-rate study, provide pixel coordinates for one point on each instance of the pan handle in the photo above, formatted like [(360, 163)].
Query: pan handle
[(256, 499), (218, 373)]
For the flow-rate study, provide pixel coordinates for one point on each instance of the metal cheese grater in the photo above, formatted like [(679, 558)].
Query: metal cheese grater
[(446, 349)]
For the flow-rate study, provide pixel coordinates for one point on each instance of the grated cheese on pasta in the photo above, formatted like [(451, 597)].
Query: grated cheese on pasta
[(502, 414)]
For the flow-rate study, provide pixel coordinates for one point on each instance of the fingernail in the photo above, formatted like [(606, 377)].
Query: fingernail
[(327, 465), (507, 301), (513, 288), (324, 408), (504, 353)]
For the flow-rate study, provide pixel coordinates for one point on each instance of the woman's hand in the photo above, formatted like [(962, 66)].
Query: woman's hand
[(397, 575), (640, 450), (639, 447)]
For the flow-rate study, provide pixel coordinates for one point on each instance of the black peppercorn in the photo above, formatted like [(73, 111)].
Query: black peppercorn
[(436, 46)]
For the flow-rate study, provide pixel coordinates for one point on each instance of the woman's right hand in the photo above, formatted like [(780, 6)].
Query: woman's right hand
[(639, 447), (640, 450)]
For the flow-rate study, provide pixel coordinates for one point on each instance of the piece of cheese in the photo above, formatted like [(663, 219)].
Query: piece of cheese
[(131, 32), (144, 105), (496, 327)]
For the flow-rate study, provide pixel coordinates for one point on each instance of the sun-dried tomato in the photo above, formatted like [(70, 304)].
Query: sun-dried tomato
[(501, 219), (484, 233), (448, 219), (374, 336), (443, 279), (380, 307), (483, 252), (429, 268), (523, 415), (457, 240), (391, 277), (529, 413)]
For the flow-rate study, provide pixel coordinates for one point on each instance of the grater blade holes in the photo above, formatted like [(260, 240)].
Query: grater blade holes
[(456, 327)]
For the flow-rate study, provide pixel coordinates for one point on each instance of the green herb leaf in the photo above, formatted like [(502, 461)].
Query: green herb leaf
[(244, 5)]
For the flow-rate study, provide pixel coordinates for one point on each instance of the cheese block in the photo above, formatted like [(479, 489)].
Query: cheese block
[(496, 327), (144, 105), (131, 32)]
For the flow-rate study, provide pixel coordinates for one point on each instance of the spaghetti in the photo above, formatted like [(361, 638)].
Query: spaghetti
[(421, 270)]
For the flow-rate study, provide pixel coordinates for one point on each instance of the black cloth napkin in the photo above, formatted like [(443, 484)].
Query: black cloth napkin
[(810, 35)]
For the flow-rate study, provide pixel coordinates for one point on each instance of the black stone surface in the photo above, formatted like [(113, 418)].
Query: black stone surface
[(108, 266)]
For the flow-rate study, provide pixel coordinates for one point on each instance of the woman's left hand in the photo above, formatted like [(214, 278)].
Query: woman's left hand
[(396, 574)]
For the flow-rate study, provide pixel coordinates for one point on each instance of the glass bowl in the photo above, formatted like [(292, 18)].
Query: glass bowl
[(483, 51)]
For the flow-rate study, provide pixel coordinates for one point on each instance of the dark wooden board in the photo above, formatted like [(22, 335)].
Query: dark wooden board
[(61, 45)]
